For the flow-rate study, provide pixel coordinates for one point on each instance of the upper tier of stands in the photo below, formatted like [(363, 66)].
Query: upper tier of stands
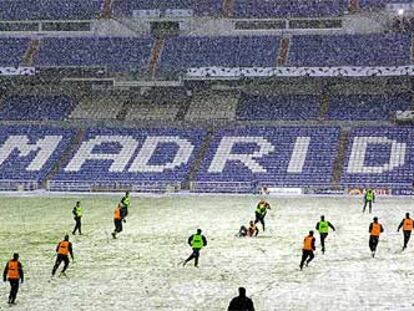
[(49, 9), (120, 54), (11, 10), (184, 52), (350, 50)]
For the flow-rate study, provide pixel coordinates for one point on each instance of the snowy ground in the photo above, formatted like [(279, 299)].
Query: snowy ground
[(139, 270)]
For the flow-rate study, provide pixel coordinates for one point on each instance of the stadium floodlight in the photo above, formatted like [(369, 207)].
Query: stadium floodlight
[(400, 12)]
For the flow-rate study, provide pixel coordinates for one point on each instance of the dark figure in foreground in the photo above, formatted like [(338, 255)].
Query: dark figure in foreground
[(407, 224), (251, 231), (375, 230), (307, 250), (241, 302), (197, 242), (63, 249), (323, 228), (13, 272), (369, 198), (261, 211), (119, 217), (77, 213)]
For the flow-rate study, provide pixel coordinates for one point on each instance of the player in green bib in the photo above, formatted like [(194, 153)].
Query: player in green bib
[(197, 241), (323, 228), (369, 198)]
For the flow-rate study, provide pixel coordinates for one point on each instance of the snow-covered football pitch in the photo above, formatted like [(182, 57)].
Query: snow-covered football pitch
[(140, 271)]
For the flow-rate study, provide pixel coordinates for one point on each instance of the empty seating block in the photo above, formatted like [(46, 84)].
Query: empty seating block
[(297, 107), (288, 8), (350, 50), (379, 4), (152, 111), (118, 54), (135, 156), (367, 107), (36, 107), (168, 7), (12, 51), (212, 107), (48, 9), (28, 153), (245, 51), (379, 157), (284, 156), (98, 108)]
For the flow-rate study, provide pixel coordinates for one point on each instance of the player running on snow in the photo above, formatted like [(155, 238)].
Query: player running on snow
[(307, 250), (369, 199), (63, 249), (13, 272), (323, 228), (197, 242), (77, 213), (375, 230), (407, 224), (261, 211), (119, 217)]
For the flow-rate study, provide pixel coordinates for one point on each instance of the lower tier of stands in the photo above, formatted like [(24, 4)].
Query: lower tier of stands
[(228, 160)]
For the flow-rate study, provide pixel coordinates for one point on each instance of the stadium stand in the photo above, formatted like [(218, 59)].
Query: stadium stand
[(12, 51), (367, 107), (17, 10), (28, 153), (379, 156), (350, 50), (118, 54), (139, 157), (168, 7), (287, 8), (240, 158), (257, 107), (100, 107), (212, 107), (379, 4), (36, 107), (147, 111), (243, 51)]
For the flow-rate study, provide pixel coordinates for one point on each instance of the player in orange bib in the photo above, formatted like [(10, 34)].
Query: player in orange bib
[(407, 224), (63, 249), (375, 230), (13, 272), (307, 250)]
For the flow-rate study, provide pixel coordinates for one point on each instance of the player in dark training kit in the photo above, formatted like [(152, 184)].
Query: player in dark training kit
[(307, 250), (13, 272), (261, 211), (197, 242), (407, 224), (77, 213), (369, 199), (323, 228), (375, 229), (63, 250)]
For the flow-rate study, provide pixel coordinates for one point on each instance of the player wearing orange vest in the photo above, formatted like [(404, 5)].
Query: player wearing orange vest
[(407, 224), (13, 272), (307, 250), (375, 229), (63, 249), (118, 218)]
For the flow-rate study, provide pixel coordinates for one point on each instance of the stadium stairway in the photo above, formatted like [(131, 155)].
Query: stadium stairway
[(283, 53), (31, 52), (340, 158), (155, 56), (196, 165), (74, 144), (228, 8)]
